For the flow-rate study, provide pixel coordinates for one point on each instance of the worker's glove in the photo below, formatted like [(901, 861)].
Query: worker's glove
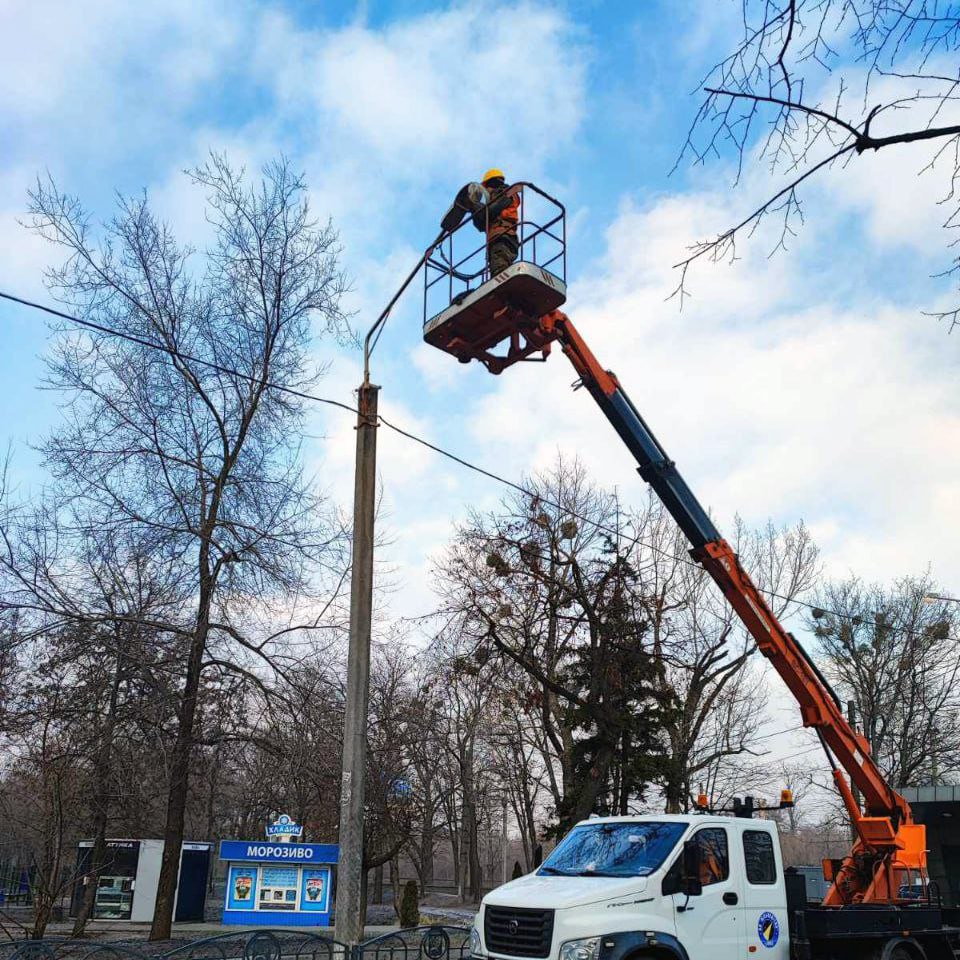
[(470, 199)]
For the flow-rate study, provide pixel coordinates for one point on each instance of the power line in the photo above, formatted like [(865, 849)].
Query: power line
[(601, 526), (775, 733), (175, 353), (269, 384)]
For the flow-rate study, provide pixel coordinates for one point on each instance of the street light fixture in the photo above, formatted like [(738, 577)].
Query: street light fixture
[(938, 598)]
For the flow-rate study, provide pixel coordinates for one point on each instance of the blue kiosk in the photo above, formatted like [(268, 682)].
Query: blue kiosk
[(279, 882)]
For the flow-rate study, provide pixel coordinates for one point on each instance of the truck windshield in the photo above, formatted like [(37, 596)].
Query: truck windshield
[(613, 850)]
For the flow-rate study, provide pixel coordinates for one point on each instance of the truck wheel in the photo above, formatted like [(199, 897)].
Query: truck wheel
[(900, 953)]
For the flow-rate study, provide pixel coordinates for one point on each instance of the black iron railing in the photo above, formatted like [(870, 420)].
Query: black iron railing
[(421, 943), (266, 944), (436, 942)]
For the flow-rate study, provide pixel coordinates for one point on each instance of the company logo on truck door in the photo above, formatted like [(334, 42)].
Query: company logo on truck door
[(768, 929)]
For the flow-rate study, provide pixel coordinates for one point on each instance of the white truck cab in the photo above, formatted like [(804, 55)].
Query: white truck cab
[(623, 888)]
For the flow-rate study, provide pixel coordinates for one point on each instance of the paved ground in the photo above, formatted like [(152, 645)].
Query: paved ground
[(114, 930)]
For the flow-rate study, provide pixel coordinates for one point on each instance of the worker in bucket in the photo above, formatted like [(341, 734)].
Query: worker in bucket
[(500, 217)]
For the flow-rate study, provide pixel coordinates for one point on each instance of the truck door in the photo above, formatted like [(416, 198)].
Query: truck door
[(710, 926), (764, 896)]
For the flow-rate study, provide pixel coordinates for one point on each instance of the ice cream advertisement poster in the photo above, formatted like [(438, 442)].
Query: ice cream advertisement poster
[(241, 888), (315, 890)]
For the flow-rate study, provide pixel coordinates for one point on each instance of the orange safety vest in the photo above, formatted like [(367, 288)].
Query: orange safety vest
[(505, 223)]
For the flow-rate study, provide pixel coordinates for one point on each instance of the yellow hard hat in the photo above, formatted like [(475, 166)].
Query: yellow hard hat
[(492, 174)]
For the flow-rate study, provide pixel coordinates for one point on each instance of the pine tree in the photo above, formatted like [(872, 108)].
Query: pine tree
[(410, 906)]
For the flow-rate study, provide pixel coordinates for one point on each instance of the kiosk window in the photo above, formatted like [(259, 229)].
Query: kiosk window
[(714, 855), (758, 854), (278, 888)]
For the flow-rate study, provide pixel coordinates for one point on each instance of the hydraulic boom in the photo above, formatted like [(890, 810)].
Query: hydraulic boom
[(890, 846), (519, 307)]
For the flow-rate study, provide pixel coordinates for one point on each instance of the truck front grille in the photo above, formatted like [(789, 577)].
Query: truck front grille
[(518, 932)]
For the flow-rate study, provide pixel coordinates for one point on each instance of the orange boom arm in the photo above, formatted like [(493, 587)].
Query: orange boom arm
[(889, 846), (889, 849)]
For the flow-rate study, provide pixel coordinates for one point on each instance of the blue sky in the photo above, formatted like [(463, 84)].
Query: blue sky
[(129, 95), (806, 386)]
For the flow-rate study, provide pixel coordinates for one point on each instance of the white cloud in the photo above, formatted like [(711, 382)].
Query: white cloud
[(384, 119), (433, 367), (25, 255), (775, 400), (911, 213), (421, 495), (436, 91), (111, 70), (777, 397)]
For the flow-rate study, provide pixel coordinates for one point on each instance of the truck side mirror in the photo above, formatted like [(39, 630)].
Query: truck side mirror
[(690, 882)]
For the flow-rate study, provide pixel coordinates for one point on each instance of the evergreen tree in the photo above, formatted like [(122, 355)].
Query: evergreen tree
[(410, 906)]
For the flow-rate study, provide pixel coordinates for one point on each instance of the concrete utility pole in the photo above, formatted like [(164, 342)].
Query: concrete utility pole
[(503, 843), (349, 923)]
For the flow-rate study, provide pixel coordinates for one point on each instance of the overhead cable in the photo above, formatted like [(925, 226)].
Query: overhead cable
[(483, 471)]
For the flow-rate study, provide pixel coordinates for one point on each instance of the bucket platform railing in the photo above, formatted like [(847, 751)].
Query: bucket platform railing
[(469, 314)]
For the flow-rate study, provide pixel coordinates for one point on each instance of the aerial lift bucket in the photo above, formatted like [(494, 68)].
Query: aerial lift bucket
[(496, 319)]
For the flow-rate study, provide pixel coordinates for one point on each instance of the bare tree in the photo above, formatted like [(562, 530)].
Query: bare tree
[(814, 83), (134, 590), (192, 445), (428, 757), (551, 586), (895, 654), (43, 791), (799, 778), (464, 693), (707, 654), (521, 759), (390, 802)]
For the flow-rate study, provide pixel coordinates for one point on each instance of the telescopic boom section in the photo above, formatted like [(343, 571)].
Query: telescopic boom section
[(518, 308), (889, 846)]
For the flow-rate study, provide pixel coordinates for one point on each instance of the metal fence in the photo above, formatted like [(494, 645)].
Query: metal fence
[(15, 883), (428, 943), (435, 942)]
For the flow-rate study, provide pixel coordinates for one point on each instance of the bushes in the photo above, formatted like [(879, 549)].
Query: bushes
[(410, 905)]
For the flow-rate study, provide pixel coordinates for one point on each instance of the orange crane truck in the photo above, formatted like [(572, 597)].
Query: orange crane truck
[(697, 886)]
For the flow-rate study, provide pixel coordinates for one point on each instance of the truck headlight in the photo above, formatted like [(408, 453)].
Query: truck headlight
[(588, 949), (476, 948)]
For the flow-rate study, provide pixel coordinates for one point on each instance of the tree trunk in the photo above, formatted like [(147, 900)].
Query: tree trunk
[(101, 800), (585, 797), (364, 890), (470, 830), (42, 910), (180, 773), (395, 885), (456, 847), (624, 799), (47, 890), (674, 787), (427, 831)]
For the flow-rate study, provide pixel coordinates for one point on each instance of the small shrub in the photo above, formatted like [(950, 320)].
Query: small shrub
[(517, 870), (410, 906)]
